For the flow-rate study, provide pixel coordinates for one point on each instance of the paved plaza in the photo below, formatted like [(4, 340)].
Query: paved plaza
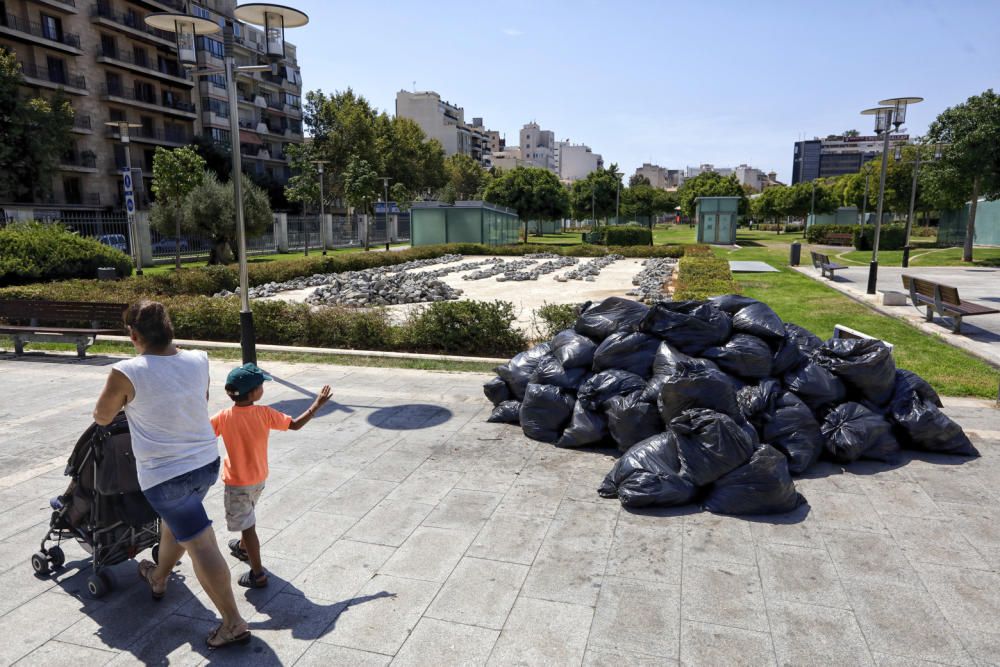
[(401, 528)]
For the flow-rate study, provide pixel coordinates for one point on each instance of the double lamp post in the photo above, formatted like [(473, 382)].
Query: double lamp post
[(187, 28)]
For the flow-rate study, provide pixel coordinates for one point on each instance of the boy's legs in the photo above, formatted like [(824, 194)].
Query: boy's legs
[(240, 502), (251, 544)]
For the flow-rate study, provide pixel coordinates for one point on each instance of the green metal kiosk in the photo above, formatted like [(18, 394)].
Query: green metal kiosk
[(717, 219)]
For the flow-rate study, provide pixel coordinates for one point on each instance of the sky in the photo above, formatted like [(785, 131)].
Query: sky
[(668, 82)]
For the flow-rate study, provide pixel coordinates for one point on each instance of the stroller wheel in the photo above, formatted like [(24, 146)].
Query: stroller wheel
[(40, 563), (98, 585), (56, 557), (156, 554)]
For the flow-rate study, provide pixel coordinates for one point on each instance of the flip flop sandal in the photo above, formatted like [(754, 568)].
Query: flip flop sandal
[(238, 551), (242, 638), (145, 570), (251, 580)]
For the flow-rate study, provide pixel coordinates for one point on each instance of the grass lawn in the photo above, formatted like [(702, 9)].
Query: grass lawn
[(260, 259), (806, 302), (562, 238), (923, 257)]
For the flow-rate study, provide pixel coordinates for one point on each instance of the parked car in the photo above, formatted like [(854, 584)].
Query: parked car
[(169, 244), (116, 241)]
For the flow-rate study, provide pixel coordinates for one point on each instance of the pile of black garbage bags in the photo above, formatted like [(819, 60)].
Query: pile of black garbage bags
[(717, 402)]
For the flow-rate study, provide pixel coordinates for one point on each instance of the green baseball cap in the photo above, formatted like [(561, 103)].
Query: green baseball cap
[(245, 379)]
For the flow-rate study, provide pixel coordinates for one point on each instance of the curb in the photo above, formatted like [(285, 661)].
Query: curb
[(219, 345)]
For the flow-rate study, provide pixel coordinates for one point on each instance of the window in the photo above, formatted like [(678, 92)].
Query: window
[(51, 28), (71, 188), (147, 157), (217, 80), (139, 56), (217, 135), (148, 129), (145, 92), (108, 46), (218, 107), (293, 100), (213, 46), (201, 11), (113, 82), (116, 115), (168, 66), (119, 150), (57, 69)]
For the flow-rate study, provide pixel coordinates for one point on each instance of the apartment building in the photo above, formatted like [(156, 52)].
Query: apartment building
[(538, 146), (113, 67), (444, 121), (574, 162), (661, 177)]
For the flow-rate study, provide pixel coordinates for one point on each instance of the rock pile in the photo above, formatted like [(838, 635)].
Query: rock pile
[(535, 272), (649, 282), (498, 268), (717, 402), (590, 269)]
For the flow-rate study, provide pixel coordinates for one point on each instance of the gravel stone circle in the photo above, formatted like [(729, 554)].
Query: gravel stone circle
[(649, 282), (590, 269)]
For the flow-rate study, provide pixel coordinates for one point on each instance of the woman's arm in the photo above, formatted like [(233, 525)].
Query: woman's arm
[(118, 391)]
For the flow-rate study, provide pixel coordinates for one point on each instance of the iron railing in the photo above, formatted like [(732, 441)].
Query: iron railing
[(61, 77), (39, 30)]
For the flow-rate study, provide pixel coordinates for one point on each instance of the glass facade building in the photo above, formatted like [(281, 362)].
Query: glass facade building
[(433, 223)]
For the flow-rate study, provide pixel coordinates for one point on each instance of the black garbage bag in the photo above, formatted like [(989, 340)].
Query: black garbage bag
[(586, 427), (613, 314), (731, 303), (573, 350), (550, 371), (668, 358), (920, 424), (710, 444), (601, 386), (851, 432), (497, 391), (631, 420), (545, 411), (690, 326), (762, 486), (628, 351), (793, 430), (757, 401), (806, 340), (759, 320), (787, 355), (744, 355), (647, 474), (517, 372), (507, 412), (864, 364), (695, 387), (815, 385)]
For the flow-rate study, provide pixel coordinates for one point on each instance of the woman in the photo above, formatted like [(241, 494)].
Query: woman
[(164, 392)]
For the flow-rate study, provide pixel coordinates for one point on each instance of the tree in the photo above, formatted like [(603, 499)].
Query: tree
[(34, 134), (770, 204), (971, 161), (175, 174), (210, 209), (535, 193), (361, 186), (595, 195), (303, 186), (643, 200), (638, 179), (218, 158), (709, 184), (406, 155), (466, 176)]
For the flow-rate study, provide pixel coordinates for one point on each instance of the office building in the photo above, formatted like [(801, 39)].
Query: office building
[(836, 155), (574, 162), (113, 67)]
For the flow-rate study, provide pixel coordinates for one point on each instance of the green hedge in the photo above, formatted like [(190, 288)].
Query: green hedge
[(34, 251), (818, 233), (892, 237), (626, 235), (702, 276)]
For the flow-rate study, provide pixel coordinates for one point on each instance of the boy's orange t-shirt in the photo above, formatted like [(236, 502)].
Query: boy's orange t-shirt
[(244, 430)]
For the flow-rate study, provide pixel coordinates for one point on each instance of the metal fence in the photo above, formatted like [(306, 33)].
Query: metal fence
[(109, 228), (303, 231), (193, 246)]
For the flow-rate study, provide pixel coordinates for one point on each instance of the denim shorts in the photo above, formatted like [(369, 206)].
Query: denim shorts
[(178, 501)]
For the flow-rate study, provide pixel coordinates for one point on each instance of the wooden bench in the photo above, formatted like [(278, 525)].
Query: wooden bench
[(943, 300), (839, 239), (60, 321), (825, 266)]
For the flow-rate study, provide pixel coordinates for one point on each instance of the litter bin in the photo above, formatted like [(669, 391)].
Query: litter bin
[(794, 253), (106, 273)]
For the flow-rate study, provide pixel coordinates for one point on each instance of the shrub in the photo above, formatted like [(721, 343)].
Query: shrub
[(700, 277), (626, 235), (891, 237), (554, 317), (352, 328), (698, 251), (465, 327), (819, 233), (34, 251)]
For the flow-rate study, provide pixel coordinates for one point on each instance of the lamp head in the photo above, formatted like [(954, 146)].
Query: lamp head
[(274, 19), (185, 28), (899, 105), (883, 117)]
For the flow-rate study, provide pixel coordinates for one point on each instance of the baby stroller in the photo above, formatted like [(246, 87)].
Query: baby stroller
[(103, 508)]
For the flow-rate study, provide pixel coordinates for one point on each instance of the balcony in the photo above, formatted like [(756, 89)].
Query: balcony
[(81, 123), (83, 162), (54, 78), (165, 105), (68, 6), (88, 199), (154, 135), (36, 33), (128, 61), (105, 15)]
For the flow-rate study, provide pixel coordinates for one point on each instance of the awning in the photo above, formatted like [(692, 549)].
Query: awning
[(248, 137)]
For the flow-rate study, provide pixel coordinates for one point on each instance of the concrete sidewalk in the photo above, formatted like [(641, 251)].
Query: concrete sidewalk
[(400, 527), (980, 334)]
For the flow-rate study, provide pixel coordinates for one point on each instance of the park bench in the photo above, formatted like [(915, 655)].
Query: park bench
[(944, 300), (839, 239), (59, 321), (823, 263)]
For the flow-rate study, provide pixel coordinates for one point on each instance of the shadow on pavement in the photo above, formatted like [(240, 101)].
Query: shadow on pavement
[(409, 416), (50, 358)]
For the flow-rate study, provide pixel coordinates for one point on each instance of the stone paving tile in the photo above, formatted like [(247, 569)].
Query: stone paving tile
[(798, 528), (307, 537), (509, 537), (487, 480), (355, 497), (479, 592), (542, 632), (533, 496), (900, 499), (639, 616), (35, 622), (648, 552), (323, 655), (177, 640), (464, 510), (969, 599), (705, 644), (869, 556), (425, 486), (934, 541), (436, 642), (810, 635), (390, 522), (716, 538), (281, 571), (850, 511), (392, 466), (342, 570), (797, 574), (605, 658), (61, 654), (886, 660), (730, 591), (944, 484), (429, 554)]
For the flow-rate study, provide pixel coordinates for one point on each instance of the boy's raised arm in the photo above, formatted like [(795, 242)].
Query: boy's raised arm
[(321, 398)]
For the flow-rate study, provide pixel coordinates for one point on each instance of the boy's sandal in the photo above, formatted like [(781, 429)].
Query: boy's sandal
[(146, 569), (251, 580), (216, 639), (238, 551)]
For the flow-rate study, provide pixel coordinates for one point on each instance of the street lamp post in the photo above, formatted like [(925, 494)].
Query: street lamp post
[(385, 209), (322, 208), (133, 233), (274, 19), (885, 116), (812, 208), (864, 204)]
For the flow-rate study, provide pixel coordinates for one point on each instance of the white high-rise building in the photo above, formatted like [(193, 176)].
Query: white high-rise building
[(538, 146), (574, 162), (660, 177), (445, 122)]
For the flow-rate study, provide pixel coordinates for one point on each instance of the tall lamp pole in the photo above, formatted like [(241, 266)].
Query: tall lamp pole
[(133, 232), (885, 116), (913, 199), (274, 19), (322, 207), (385, 209), (864, 204)]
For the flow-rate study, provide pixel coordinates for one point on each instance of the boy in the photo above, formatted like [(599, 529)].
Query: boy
[(244, 429)]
